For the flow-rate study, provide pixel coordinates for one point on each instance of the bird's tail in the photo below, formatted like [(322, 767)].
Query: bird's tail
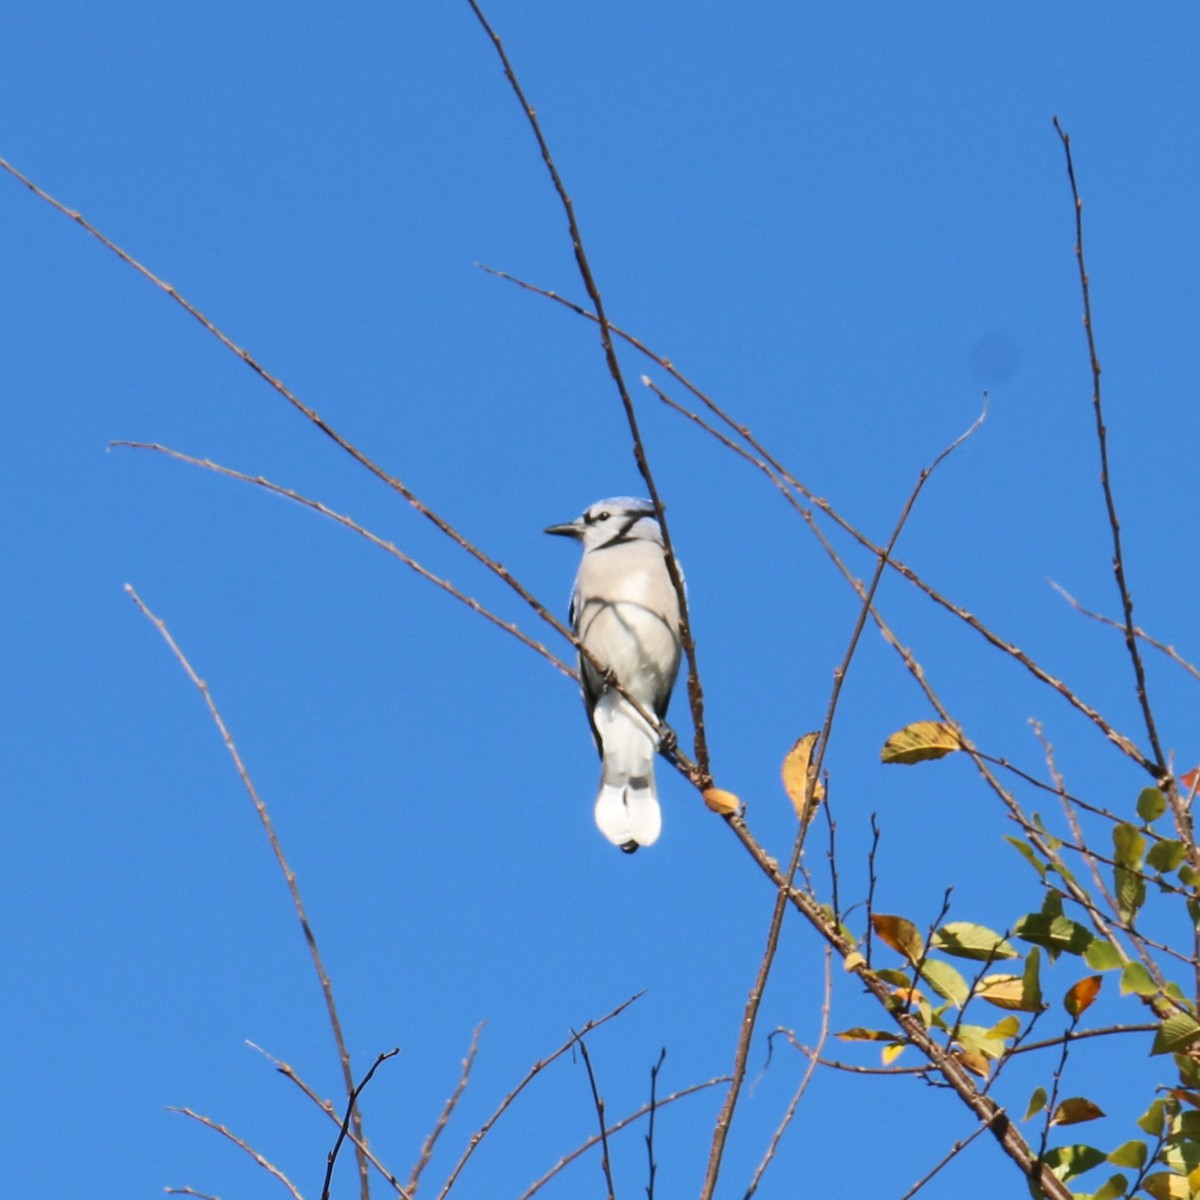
[(627, 810)]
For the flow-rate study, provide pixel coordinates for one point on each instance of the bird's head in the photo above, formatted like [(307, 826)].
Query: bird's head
[(611, 522)]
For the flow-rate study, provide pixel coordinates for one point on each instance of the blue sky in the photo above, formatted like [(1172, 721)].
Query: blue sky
[(846, 222)]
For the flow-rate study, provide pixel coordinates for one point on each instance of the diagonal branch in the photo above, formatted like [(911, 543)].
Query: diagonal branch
[(266, 1165), (288, 874), (391, 548), (754, 999)]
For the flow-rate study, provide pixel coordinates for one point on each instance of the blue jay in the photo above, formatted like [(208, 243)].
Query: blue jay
[(625, 612)]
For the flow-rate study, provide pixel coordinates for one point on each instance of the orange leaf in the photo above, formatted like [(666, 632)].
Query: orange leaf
[(899, 933), (1191, 780), (1079, 999), (721, 801), (1076, 1110)]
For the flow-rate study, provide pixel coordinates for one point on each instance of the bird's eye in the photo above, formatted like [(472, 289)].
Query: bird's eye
[(603, 516)]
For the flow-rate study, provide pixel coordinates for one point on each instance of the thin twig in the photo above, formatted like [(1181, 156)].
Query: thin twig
[(598, 1101), (754, 999), (567, 1159), (653, 1169), (1131, 642), (1169, 651), (530, 1075), (351, 1104), (1077, 1035), (267, 1166), (822, 1037), (447, 1111), (955, 1150), (391, 548), (187, 1191), (326, 1106), (289, 875), (695, 690)]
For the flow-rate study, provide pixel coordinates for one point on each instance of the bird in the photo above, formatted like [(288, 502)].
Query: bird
[(625, 614)]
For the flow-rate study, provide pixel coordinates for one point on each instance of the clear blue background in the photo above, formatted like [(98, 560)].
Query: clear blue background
[(845, 221)]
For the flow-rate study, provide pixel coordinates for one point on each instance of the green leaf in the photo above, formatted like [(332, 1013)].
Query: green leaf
[(1188, 875), (967, 940), (1028, 853), (1103, 956), (1129, 846), (1131, 892), (1053, 933), (1004, 1028), (946, 981), (1136, 979), (894, 976), (1154, 1120), (1166, 855), (1037, 1102), (980, 1040), (1130, 1154), (1117, 1186), (1031, 979), (1151, 804), (1065, 1162), (1178, 1031)]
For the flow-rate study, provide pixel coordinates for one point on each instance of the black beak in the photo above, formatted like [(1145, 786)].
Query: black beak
[(570, 529)]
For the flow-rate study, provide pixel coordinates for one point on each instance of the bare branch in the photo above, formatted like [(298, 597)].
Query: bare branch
[(695, 690), (1131, 643), (530, 1075), (754, 999), (391, 548), (955, 1150), (810, 1070), (351, 1104), (598, 1101), (326, 1106), (567, 1159), (269, 1167), (289, 875), (653, 1169), (447, 1111), (1169, 651)]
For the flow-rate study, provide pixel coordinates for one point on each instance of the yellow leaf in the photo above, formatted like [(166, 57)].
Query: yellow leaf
[(1079, 999), (899, 933), (1076, 1110), (892, 1052), (920, 741), (721, 801), (852, 960), (796, 765), (1006, 991)]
